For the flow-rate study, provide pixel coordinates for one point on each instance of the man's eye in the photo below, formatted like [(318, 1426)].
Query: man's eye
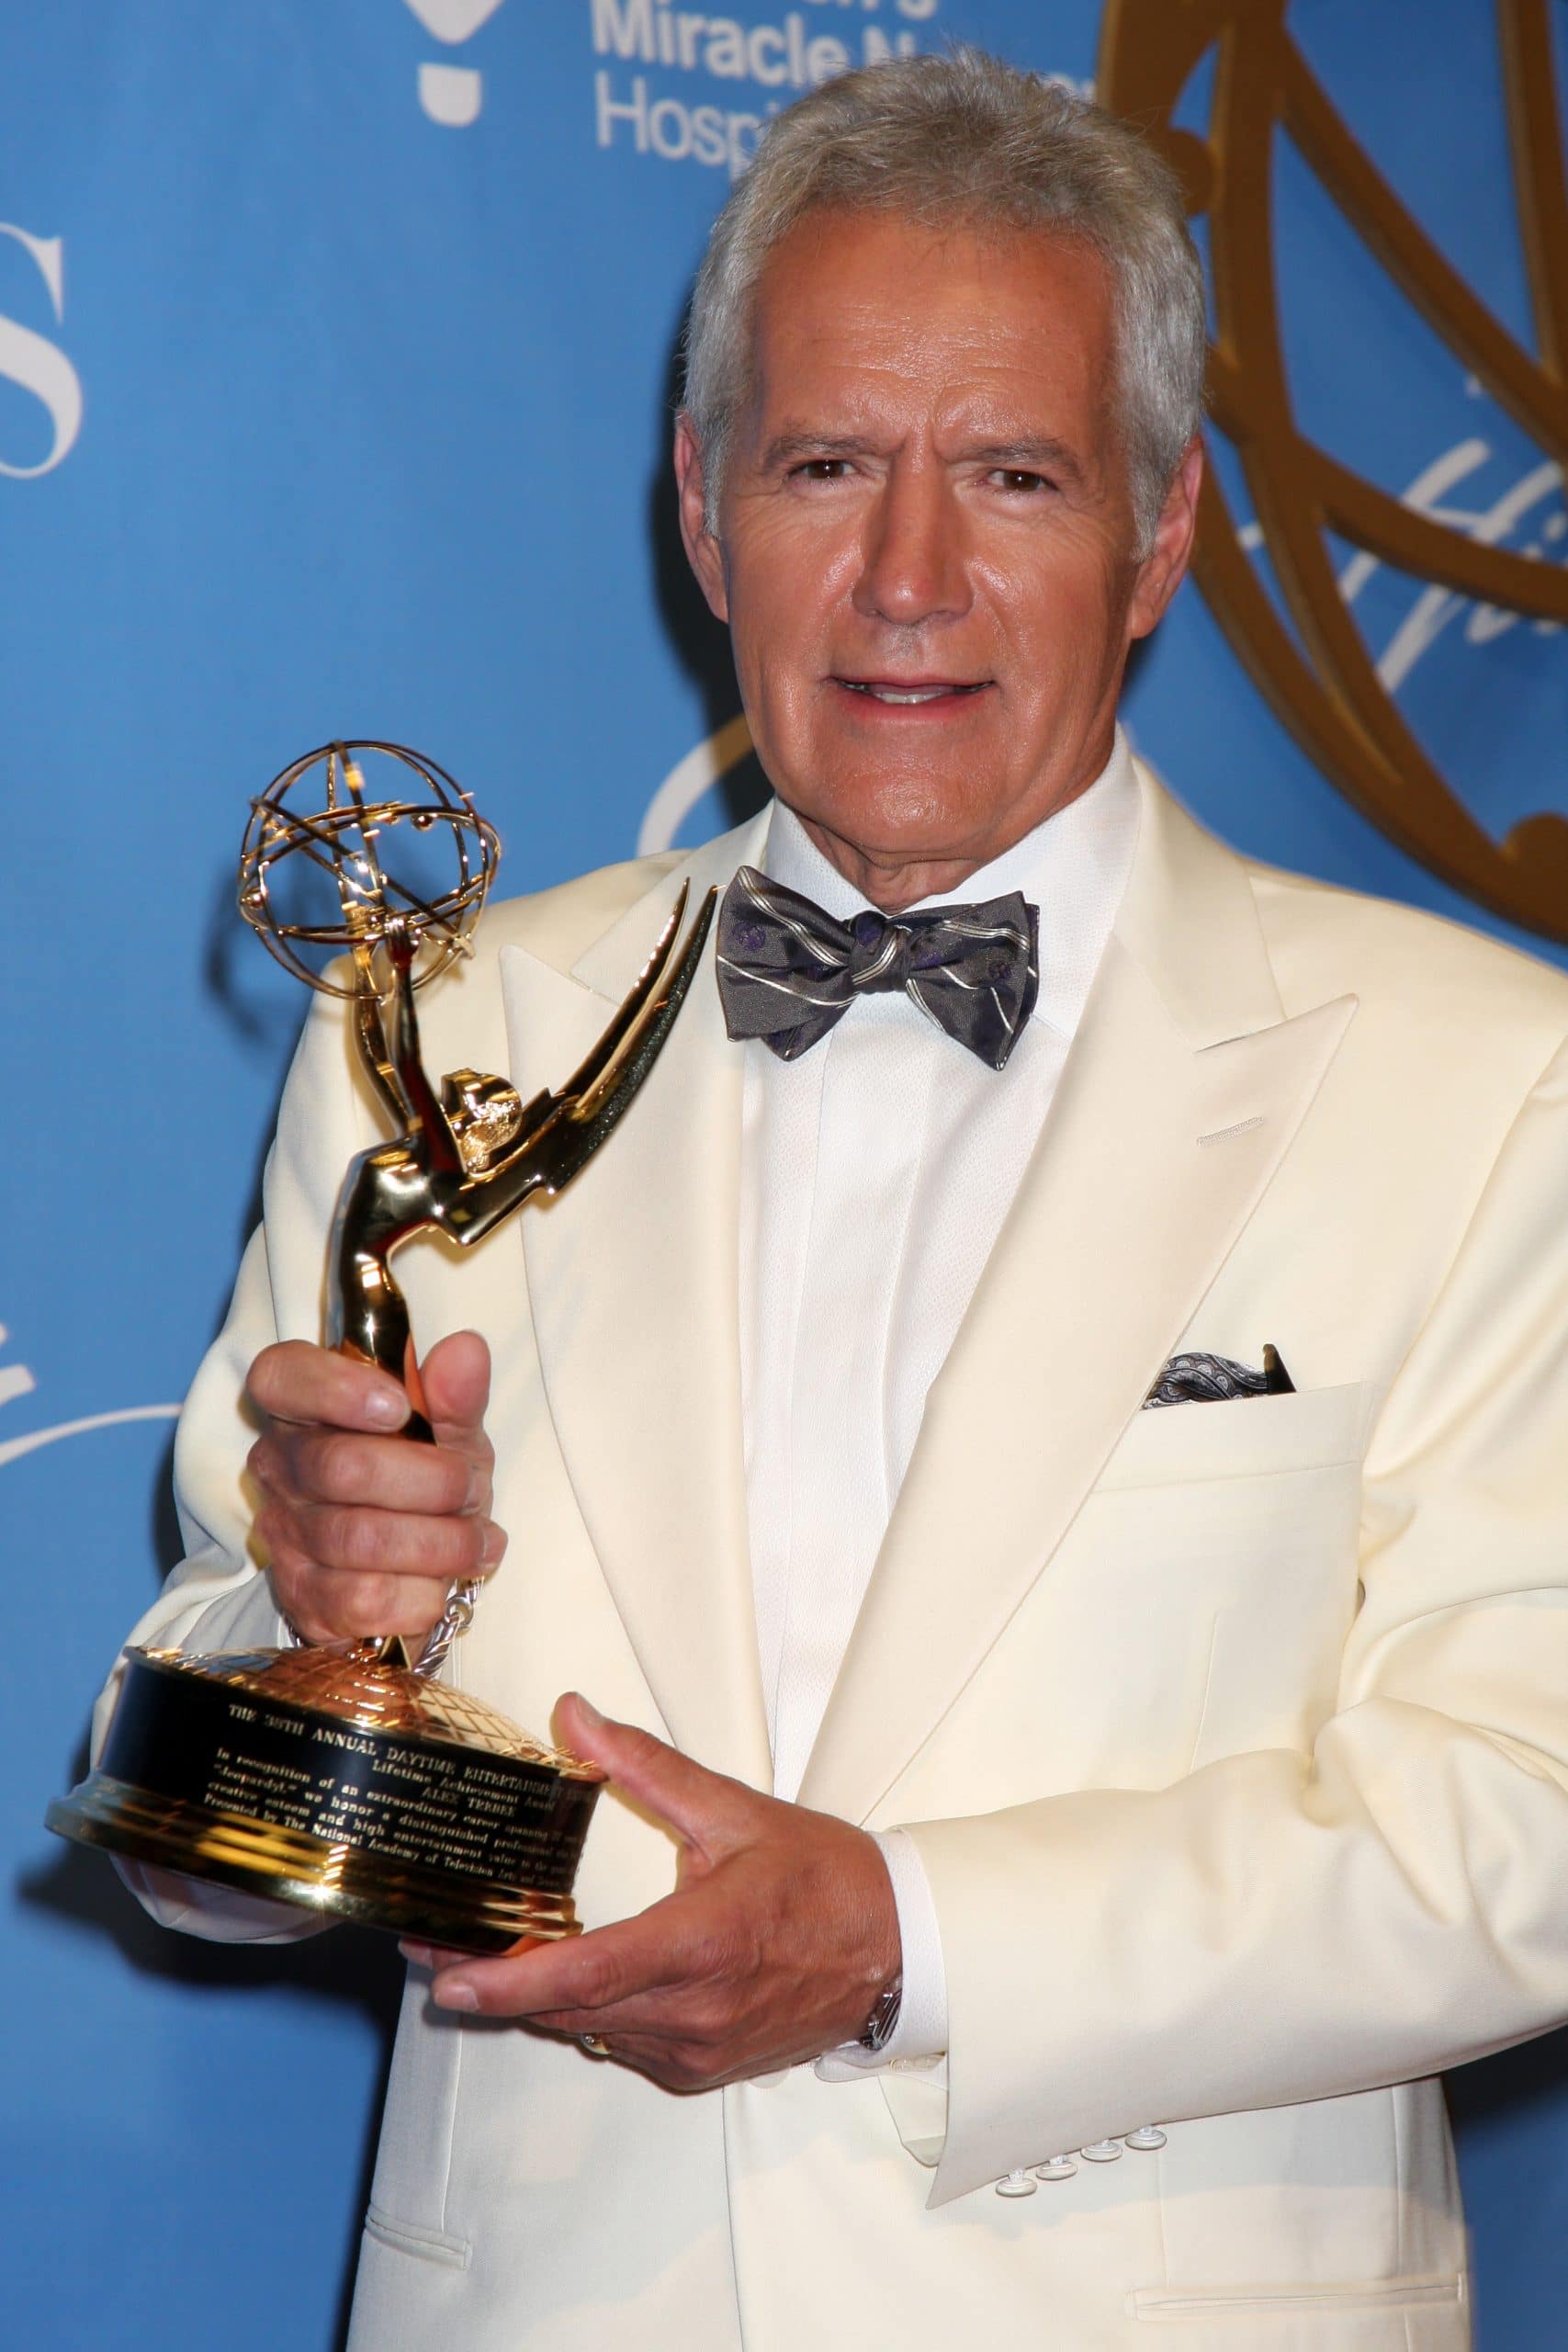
[(1021, 480), (820, 470)]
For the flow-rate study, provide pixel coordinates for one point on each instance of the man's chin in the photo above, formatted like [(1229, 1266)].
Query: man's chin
[(887, 822)]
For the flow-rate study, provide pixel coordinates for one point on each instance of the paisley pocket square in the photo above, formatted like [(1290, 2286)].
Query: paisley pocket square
[(1215, 1380)]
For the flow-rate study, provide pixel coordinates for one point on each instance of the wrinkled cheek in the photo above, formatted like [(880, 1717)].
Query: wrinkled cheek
[(788, 736)]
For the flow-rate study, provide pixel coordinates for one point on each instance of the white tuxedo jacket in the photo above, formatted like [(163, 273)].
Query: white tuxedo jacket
[(1234, 1736)]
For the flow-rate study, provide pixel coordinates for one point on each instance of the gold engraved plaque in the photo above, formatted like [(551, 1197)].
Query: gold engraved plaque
[(347, 1779)]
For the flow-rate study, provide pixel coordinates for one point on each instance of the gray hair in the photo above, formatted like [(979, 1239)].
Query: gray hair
[(964, 140)]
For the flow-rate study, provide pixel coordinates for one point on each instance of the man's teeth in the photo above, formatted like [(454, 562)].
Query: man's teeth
[(905, 694)]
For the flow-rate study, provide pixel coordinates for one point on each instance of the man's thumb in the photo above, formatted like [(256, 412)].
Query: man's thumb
[(456, 1375), (686, 1795)]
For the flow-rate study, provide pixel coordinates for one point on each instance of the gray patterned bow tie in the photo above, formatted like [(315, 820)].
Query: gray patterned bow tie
[(787, 971)]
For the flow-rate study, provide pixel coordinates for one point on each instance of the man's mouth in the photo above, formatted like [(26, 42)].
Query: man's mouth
[(905, 692)]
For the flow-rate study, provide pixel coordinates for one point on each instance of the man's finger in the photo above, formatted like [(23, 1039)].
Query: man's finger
[(292, 1381), (587, 1973), (702, 1808), (335, 1608), (321, 1464), (361, 1543)]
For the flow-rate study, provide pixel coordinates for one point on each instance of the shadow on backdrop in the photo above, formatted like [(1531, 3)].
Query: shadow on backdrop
[(348, 1969), (700, 643), (353, 1969), (1484, 2094)]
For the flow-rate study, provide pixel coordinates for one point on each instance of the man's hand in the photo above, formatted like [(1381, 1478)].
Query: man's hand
[(781, 1934), (364, 1529)]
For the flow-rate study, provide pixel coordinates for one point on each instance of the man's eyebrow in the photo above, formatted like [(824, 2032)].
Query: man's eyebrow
[(795, 441), (1026, 454)]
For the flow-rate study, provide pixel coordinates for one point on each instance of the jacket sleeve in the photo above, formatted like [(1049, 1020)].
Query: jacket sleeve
[(218, 1598), (1279, 1926)]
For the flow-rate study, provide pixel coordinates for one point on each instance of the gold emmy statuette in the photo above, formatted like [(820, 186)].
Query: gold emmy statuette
[(348, 1778)]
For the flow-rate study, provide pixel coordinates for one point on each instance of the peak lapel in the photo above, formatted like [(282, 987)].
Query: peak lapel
[(1181, 1094), (633, 1281)]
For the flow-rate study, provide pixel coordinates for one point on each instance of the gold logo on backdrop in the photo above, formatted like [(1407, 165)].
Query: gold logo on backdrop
[(1327, 689)]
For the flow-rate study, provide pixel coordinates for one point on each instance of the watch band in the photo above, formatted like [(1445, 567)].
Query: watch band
[(883, 2021)]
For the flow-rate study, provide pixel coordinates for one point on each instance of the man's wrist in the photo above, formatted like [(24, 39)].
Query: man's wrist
[(917, 2032), (921, 2029)]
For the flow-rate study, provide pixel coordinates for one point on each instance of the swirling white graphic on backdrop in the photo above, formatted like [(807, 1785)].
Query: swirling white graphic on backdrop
[(688, 780), (16, 1380)]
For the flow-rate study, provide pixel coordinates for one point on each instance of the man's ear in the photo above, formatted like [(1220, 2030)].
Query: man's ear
[(1164, 567), (702, 548)]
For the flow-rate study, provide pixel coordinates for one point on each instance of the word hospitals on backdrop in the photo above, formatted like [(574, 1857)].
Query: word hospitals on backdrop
[(794, 53)]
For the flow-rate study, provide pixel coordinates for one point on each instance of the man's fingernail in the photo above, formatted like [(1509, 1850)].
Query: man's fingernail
[(588, 1710), (459, 1995), (421, 1954), (386, 1409)]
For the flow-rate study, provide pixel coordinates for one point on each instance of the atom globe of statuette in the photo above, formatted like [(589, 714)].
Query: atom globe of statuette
[(353, 843)]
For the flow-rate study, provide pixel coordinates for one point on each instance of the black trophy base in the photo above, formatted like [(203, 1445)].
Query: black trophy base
[(345, 1783)]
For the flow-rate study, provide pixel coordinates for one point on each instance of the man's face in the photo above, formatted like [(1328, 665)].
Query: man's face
[(926, 550)]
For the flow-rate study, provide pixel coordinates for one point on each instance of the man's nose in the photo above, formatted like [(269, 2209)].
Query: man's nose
[(912, 567)]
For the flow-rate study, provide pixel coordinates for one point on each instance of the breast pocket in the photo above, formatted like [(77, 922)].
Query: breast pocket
[(1247, 1437), (1226, 1536), (1196, 1608)]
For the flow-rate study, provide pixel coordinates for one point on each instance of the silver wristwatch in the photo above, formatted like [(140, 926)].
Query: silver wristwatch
[(883, 2021)]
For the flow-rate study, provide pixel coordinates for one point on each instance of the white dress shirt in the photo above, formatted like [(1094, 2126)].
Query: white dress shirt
[(876, 1172)]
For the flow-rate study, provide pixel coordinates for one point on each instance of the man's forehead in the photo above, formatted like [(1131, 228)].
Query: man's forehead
[(888, 249), (857, 308)]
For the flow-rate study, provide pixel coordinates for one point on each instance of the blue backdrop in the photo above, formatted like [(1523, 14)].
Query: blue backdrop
[(335, 363)]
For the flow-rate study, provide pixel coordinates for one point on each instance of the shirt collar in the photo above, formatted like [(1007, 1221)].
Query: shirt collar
[(1074, 866)]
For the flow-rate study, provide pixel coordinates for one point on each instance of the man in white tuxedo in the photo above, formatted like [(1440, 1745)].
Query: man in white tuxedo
[(1012, 1788)]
